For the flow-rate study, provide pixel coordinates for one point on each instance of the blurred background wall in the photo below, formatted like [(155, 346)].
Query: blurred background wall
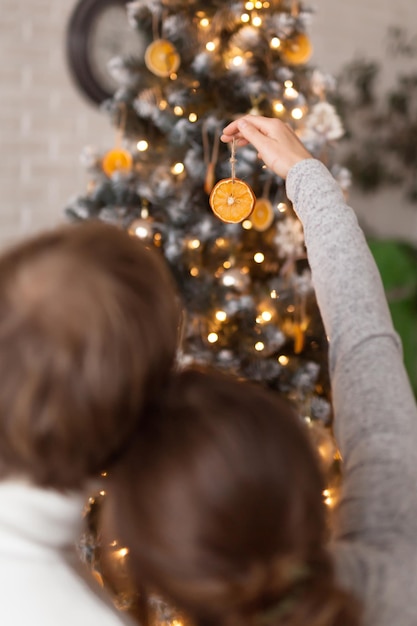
[(45, 122)]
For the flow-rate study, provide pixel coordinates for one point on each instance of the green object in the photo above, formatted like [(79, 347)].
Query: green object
[(397, 263)]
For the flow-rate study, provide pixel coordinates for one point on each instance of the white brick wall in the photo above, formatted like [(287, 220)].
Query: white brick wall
[(44, 122)]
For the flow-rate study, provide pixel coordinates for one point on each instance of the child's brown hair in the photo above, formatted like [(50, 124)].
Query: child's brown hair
[(88, 331), (219, 500)]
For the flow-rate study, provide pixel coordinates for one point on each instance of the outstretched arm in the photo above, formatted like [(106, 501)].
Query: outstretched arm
[(375, 412)]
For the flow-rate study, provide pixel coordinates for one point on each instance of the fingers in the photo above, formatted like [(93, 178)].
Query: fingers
[(276, 143), (252, 134), (239, 139), (268, 126)]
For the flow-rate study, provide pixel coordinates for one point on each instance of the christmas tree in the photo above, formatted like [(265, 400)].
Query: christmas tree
[(246, 286)]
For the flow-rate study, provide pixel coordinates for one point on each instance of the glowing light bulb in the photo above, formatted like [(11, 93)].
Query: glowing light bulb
[(204, 22), (194, 271), (194, 244), (245, 18), (163, 105), (247, 224), (213, 337), (283, 360), (141, 232), (229, 281), (259, 257), (178, 168), (122, 552), (278, 106), (282, 207), (178, 110), (258, 4), (288, 83), (259, 346), (192, 117), (221, 316), (266, 316), (297, 113), (291, 93), (275, 42), (227, 265), (290, 308), (142, 145), (210, 46), (249, 6), (257, 21), (237, 61), (274, 294), (328, 500)]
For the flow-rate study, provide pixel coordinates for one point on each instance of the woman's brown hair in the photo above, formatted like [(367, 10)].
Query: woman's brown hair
[(219, 500), (88, 330)]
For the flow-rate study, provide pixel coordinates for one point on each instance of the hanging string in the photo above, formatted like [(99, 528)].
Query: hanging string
[(210, 160), (155, 26), (267, 186), (233, 160), (295, 8), (121, 124)]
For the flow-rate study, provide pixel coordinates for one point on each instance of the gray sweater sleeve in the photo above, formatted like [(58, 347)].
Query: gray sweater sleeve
[(375, 534)]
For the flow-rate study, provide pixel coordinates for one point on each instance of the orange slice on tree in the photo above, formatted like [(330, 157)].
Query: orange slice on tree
[(232, 200), (116, 160), (297, 50), (262, 215), (162, 58)]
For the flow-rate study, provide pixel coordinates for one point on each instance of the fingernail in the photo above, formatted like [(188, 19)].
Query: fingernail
[(242, 123)]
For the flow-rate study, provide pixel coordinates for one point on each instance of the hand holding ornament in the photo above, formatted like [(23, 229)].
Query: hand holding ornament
[(277, 144)]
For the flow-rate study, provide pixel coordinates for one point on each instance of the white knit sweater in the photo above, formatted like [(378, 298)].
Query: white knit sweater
[(42, 582)]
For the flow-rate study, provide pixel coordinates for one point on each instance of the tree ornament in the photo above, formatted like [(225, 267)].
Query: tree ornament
[(231, 199), (116, 160), (289, 238), (298, 330), (262, 215), (162, 58), (297, 50), (210, 159), (210, 177)]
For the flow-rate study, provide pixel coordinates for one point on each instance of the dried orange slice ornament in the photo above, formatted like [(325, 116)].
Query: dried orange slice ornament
[(297, 50), (262, 215), (232, 200), (162, 58), (116, 160)]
